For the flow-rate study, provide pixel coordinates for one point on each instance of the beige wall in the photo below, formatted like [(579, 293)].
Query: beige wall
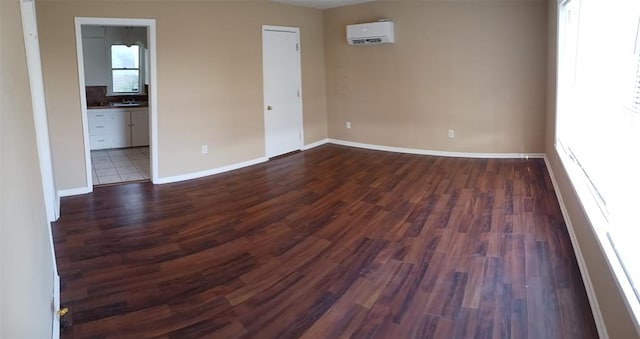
[(477, 67), (26, 264), (615, 314), (209, 79)]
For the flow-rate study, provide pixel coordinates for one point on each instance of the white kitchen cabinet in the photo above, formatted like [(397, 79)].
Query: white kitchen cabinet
[(96, 69), (139, 127), (100, 128), (118, 127), (121, 128)]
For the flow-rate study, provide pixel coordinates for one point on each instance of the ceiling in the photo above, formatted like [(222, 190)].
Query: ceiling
[(322, 4)]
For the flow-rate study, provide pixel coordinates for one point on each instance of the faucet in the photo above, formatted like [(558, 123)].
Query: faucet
[(128, 100)]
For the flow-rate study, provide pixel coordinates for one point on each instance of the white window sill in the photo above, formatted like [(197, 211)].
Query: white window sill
[(599, 226)]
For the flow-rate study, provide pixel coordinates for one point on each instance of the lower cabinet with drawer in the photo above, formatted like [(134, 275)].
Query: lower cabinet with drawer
[(118, 127)]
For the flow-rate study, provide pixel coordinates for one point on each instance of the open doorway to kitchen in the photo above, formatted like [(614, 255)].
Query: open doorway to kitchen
[(116, 64)]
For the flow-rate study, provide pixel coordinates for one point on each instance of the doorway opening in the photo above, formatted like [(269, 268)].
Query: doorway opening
[(116, 64)]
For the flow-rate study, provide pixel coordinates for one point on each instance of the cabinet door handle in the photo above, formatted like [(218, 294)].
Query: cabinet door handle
[(99, 126), (99, 115)]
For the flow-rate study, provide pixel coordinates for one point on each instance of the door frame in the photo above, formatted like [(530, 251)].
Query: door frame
[(36, 83), (287, 29), (43, 144), (150, 24)]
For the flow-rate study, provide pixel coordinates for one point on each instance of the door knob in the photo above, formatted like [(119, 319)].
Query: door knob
[(269, 108)]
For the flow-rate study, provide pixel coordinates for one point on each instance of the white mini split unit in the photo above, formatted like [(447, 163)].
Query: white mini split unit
[(373, 33)]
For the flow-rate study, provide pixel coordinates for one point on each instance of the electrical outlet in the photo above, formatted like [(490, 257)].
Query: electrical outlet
[(204, 149), (348, 124), (452, 134)]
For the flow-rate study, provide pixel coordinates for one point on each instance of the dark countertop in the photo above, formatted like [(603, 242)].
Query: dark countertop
[(142, 104)]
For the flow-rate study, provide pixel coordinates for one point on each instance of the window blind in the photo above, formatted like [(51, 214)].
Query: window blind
[(598, 116)]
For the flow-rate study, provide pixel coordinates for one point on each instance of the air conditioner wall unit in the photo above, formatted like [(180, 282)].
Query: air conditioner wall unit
[(372, 33)]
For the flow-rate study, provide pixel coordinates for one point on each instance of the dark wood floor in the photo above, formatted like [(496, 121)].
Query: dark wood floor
[(328, 243)]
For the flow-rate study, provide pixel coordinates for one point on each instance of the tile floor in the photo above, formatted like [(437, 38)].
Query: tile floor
[(111, 166)]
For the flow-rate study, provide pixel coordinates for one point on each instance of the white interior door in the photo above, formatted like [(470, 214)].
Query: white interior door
[(282, 96)]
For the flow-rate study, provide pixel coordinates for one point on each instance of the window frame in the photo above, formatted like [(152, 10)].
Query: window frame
[(140, 69)]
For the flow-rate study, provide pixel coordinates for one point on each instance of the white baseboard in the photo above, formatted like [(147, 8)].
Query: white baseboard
[(584, 272), (176, 178), (228, 168), (74, 191), (315, 144), (436, 153), (213, 171), (195, 175), (58, 205)]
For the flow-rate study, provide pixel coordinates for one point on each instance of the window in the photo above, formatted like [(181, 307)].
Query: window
[(598, 124), (125, 69)]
